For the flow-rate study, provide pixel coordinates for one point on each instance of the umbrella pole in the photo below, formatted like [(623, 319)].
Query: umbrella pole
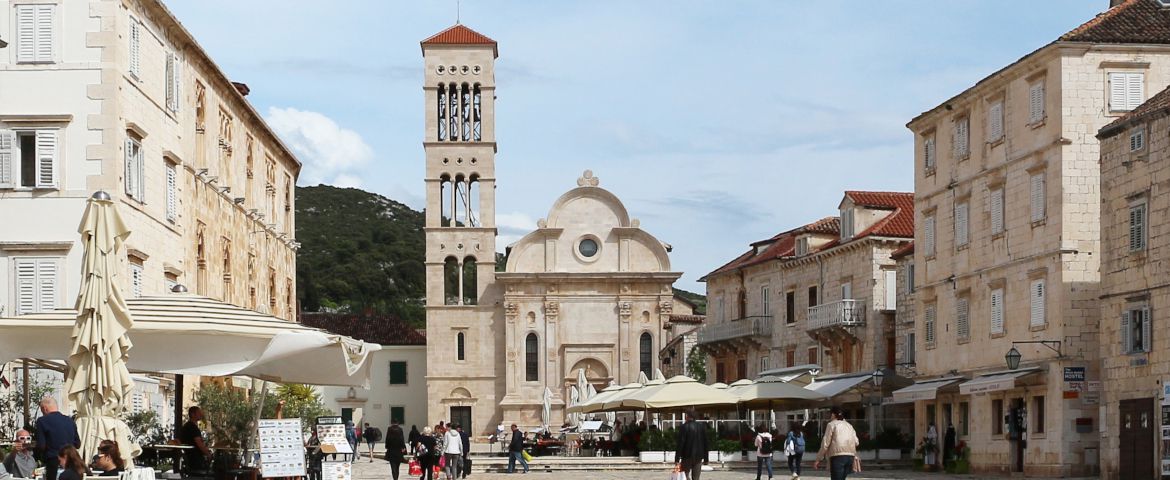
[(27, 395), (179, 397)]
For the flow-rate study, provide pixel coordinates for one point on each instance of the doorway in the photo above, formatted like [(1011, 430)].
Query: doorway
[(462, 416), (1018, 433), (1137, 438)]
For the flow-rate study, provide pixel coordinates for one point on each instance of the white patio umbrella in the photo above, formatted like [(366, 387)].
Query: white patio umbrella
[(546, 409), (677, 393), (581, 385), (658, 374), (590, 394), (610, 417), (614, 402), (97, 382), (574, 399)]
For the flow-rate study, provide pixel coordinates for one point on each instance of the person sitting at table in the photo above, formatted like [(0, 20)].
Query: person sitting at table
[(70, 465), (109, 459), (195, 459), (20, 462)]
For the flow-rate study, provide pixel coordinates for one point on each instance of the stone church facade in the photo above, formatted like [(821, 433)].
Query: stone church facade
[(589, 289)]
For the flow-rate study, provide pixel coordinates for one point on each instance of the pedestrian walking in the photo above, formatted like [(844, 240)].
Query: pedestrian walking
[(794, 449), (370, 435), (351, 436), (453, 453), (413, 438), (839, 447), (516, 450), (691, 453), (427, 453), (466, 450), (763, 451), (395, 448)]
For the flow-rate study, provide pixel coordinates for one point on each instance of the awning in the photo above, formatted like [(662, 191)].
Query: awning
[(836, 386), (924, 390), (994, 382)]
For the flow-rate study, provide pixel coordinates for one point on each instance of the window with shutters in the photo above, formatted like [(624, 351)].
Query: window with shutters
[(846, 224), (813, 355), (961, 225), (1037, 196), (135, 170), (172, 193), (995, 121), (1137, 226), (1127, 90), (961, 137), (1037, 295), (1135, 329), (929, 156), (1036, 102), (928, 236), (962, 319), (802, 246), (1137, 139), (170, 280), (790, 358), (908, 354), (928, 325), (174, 82), (35, 33), (765, 300), (135, 38), (997, 311), (398, 373), (136, 277), (28, 158), (996, 201), (37, 284), (910, 277)]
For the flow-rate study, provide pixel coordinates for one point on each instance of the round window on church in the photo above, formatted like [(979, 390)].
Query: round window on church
[(587, 247)]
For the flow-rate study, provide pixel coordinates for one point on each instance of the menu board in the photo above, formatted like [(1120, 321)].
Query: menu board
[(331, 434), (282, 451), (336, 470)]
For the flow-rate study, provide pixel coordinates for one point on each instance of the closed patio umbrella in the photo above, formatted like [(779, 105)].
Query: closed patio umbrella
[(97, 381), (546, 409)]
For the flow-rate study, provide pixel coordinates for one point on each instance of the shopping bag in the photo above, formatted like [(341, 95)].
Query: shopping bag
[(442, 462), (527, 457), (438, 471), (856, 464), (414, 468), (678, 473)]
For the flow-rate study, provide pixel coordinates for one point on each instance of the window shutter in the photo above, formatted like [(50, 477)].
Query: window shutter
[(1038, 295), (1118, 100), (140, 171), (1037, 194), (995, 122), (26, 286), (176, 83), (131, 148), (891, 289), (997, 211), (47, 284), (135, 37), (1137, 140), (26, 33), (170, 80), (930, 317), (44, 33), (928, 249), (961, 231), (928, 151), (962, 319), (1147, 332), (46, 158), (1137, 227), (1036, 102), (997, 311), (136, 280), (961, 136), (1126, 341), (172, 193), (7, 148), (1134, 90)]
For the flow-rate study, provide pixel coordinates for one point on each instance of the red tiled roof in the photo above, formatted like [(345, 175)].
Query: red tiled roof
[(1156, 106), (460, 35), (687, 318), (899, 223), (1134, 21), (904, 250), (380, 329), (781, 245)]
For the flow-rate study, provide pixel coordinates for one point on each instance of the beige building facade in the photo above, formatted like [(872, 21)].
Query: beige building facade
[(1134, 360), (588, 290), (140, 111), (1007, 248)]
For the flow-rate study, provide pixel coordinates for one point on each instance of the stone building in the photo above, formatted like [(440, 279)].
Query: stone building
[(1134, 360), (1007, 249), (588, 290), (126, 101), (905, 335), (680, 335)]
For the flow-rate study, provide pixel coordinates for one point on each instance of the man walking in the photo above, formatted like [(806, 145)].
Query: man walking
[(516, 450), (466, 450), (54, 432), (691, 453), (371, 436)]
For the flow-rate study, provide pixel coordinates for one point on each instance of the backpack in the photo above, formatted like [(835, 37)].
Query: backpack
[(798, 443), (766, 444)]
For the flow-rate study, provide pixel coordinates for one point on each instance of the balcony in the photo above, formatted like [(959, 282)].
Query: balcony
[(836, 321), (742, 332)]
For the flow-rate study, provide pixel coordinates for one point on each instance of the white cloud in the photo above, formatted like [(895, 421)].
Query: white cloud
[(511, 227), (330, 153)]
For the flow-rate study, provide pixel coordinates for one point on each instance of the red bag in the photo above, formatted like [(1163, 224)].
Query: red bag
[(414, 468), (438, 471)]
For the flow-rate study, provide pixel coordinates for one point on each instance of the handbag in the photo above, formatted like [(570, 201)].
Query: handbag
[(526, 455), (415, 469), (856, 464), (443, 462)]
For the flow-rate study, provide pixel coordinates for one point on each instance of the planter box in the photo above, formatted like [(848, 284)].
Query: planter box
[(669, 456), (730, 457), (713, 457), (629, 453), (889, 454), (652, 457), (588, 452), (867, 454)]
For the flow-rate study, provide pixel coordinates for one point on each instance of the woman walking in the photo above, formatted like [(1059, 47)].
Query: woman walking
[(838, 446), (395, 448), (453, 453), (413, 438), (427, 453), (763, 451), (794, 449)]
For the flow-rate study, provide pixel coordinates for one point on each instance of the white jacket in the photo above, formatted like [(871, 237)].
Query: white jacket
[(454, 443)]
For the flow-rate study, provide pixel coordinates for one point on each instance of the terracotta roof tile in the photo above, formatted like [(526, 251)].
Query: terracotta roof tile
[(904, 250), (687, 318), (1134, 21), (1157, 105), (380, 329), (460, 35), (899, 223)]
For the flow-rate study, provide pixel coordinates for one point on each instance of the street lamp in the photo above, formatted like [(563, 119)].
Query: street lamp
[(1013, 358), (878, 376)]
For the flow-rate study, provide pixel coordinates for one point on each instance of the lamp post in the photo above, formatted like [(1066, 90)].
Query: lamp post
[(877, 379), (1013, 358)]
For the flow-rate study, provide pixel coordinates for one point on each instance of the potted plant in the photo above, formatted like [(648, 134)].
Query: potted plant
[(650, 447), (667, 442), (961, 463), (927, 450), (712, 446), (629, 441), (588, 447), (728, 449), (889, 444), (867, 450)]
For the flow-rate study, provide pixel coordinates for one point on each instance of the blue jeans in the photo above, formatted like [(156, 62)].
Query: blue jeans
[(840, 466), (512, 457), (794, 463), (762, 462)]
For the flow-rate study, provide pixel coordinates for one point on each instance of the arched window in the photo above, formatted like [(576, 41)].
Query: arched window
[(453, 112), (461, 346), (451, 281), (446, 195), (531, 358), (646, 354), (465, 105), (476, 131), (473, 200), (470, 287)]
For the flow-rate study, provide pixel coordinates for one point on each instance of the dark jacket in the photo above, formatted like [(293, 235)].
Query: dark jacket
[(692, 442), (395, 444), (517, 443), (466, 443), (429, 459), (54, 432)]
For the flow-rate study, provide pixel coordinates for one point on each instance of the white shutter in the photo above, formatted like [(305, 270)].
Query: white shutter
[(170, 81), (891, 289), (929, 323), (172, 193), (1135, 90), (1036, 102), (1126, 340), (962, 320), (961, 230), (928, 248), (46, 141), (140, 170), (995, 121), (846, 291), (962, 137), (1137, 140), (45, 34), (997, 311), (928, 151), (26, 33), (1038, 295), (135, 40), (1117, 86), (26, 286), (129, 180), (1036, 192), (1147, 332), (136, 280), (47, 284), (997, 211), (1137, 227), (7, 156)]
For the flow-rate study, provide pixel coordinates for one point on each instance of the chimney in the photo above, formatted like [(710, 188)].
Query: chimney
[(244, 90), (1114, 3)]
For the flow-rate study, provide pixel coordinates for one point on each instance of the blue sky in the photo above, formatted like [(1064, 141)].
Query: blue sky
[(718, 123)]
